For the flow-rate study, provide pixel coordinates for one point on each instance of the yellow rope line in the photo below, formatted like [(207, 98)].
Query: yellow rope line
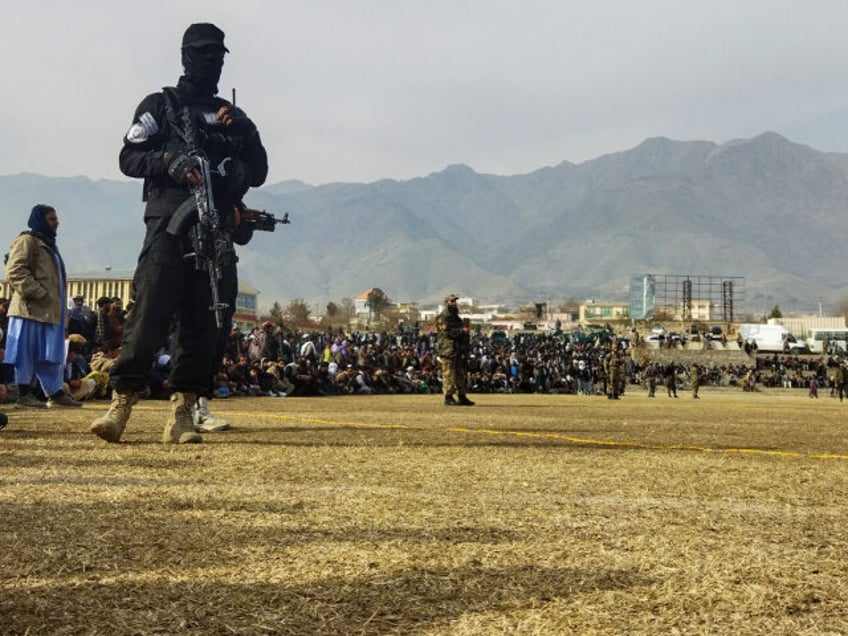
[(555, 436)]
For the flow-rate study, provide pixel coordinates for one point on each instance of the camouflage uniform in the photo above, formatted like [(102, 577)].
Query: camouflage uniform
[(453, 346), (612, 364), (840, 377), (651, 377)]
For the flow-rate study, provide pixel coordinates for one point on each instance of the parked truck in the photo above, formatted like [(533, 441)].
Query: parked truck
[(771, 337)]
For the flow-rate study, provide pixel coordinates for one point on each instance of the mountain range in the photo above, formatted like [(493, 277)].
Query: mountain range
[(765, 208)]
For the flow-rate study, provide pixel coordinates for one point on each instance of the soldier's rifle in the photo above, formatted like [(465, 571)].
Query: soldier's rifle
[(262, 220), (212, 247)]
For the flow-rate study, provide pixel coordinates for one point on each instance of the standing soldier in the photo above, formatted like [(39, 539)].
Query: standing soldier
[(695, 379), (840, 378), (651, 377), (613, 365), (171, 131), (603, 371), (453, 347), (671, 380)]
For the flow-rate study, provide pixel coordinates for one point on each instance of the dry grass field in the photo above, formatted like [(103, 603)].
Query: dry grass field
[(526, 514)]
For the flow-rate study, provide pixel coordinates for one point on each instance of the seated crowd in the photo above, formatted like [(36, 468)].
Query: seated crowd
[(271, 361)]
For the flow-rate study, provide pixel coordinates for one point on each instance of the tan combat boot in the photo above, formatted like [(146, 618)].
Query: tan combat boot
[(111, 425), (180, 426)]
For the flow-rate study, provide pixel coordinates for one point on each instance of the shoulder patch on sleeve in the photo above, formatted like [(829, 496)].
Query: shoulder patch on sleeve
[(149, 122), (143, 129)]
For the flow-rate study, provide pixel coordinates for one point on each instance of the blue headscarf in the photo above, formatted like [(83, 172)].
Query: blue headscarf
[(38, 222)]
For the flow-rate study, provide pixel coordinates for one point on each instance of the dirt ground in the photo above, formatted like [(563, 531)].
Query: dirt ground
[(525, 514)]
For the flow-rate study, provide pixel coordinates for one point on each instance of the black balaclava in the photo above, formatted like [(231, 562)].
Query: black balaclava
[(203, 58)]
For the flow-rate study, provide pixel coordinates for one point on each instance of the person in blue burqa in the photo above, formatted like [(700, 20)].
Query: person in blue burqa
[(35, 343)]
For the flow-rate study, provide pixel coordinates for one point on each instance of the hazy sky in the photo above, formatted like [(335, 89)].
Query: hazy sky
[(365, 89)]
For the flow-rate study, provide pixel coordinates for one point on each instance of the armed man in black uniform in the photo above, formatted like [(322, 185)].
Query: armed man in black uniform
[(171, 130)]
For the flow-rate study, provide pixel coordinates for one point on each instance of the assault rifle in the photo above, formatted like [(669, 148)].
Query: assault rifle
[(212, 247), (210, 244)]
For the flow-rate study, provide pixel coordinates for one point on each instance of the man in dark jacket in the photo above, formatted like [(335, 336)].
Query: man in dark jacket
[(103, 326), (171, 131)]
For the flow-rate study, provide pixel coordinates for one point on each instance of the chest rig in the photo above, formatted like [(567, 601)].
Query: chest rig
[(198, 132)]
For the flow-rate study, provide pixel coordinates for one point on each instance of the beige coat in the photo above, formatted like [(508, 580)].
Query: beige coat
[(32, 273)]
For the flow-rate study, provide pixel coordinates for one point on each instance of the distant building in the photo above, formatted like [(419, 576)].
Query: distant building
[(799, 326), (700, 310), (592, 311), (360, 303), (246, 315), (111, 283), (92, 285), (408, 314)]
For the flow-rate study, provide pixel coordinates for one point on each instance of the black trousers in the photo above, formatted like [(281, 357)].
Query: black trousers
[(168, 289)]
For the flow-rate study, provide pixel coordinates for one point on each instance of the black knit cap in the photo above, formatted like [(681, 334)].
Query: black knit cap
[(203, 34)]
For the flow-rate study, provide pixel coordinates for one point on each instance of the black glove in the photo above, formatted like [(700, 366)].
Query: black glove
[(242, 124), (179, 165)]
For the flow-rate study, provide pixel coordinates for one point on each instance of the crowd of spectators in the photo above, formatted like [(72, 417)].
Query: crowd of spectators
[(273, 361)]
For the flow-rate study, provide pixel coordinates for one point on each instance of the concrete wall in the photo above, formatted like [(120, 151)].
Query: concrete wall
[(693, 352)]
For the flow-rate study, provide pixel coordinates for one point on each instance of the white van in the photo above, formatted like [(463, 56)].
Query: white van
[(770, 338)]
